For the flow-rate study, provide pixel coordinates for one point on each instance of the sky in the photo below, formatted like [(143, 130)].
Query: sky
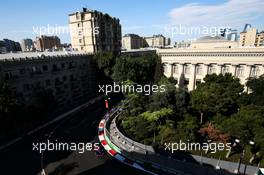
[(177, 19)]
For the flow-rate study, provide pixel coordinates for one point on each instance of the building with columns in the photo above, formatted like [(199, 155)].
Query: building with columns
[(190, 66)]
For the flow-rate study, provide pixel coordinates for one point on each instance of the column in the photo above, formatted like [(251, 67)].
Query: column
[(192, 79)]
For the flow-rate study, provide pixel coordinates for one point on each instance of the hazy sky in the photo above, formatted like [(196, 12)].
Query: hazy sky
[(173, 18)]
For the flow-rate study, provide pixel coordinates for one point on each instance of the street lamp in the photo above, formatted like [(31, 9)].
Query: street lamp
[(237, 141)]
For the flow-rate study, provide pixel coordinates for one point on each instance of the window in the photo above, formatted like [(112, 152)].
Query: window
[(186, 69), (254, 71), (80, 40), (8, 75), (22, 71), (225, 69), (212, 69), (186, 82), (55, 67), (45, 68), (165, 68), (240, 71), (80, 33), (48, 83), (175, 69), (199, 69)]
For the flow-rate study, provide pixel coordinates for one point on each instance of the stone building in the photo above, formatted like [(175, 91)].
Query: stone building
[(157, 41), (27, 45), (47, 43), (69, 76), (132, 41), (251, 38), (93, 31), (190, 66)]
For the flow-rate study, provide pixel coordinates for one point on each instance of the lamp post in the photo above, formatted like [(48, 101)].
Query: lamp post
[(237, 171)]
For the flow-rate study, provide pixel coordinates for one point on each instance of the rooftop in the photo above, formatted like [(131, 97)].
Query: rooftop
[(211, 39), (37, 54)]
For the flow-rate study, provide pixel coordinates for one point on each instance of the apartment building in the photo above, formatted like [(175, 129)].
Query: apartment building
[(132, 41), (93, 31), (47, 43)]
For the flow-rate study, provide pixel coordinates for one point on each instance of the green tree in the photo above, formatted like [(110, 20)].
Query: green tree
[(140, 70), (246, 123), (156, 119), (256, 85), (165, 99), (218, 95), (187, 129), (105, 61)]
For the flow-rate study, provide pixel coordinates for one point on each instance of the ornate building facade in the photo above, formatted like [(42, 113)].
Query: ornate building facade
[(190, 66)]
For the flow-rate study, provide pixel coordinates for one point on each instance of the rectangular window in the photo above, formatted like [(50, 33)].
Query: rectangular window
[(254, 71), (175, 69), (225, 70), (199, 69), (211, 70), (186, 69), (240, 71)]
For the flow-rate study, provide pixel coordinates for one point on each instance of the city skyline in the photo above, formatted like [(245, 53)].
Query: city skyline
[(161, 16)]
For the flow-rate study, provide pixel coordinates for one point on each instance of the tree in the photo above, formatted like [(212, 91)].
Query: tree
[(256, 85), (210, 132), (105, 61), (165, 99), (187, 129), (218, 95), (245, 124), (140, 70)]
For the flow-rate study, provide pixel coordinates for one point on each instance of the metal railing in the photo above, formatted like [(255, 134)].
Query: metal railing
[(133, 150)]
